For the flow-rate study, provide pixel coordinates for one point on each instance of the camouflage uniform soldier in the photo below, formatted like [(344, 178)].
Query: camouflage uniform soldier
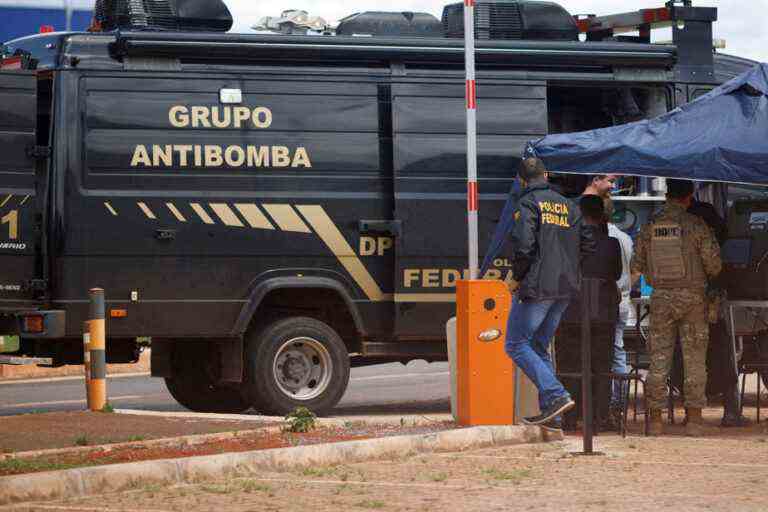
[(677, 253)]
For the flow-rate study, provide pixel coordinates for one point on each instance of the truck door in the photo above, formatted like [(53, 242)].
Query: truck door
[(430, 186), (18, 233)]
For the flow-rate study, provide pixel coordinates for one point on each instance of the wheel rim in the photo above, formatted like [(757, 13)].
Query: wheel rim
[(302, 368)]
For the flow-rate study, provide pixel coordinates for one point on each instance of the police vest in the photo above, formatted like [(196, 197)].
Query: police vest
[(674, 261)]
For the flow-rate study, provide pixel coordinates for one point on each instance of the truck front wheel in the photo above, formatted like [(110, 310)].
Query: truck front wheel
[(297, 362)]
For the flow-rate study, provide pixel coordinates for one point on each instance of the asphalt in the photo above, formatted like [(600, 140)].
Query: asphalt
[(418, 388)]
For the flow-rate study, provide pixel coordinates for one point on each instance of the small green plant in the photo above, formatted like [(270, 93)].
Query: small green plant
[(340, 489), (81, 440), (108, 408), (254, 486), (320, 472), (300, 420), (153, 488), (439, 477), (135, 438), (516, 475), (217, 488), (370, 504)]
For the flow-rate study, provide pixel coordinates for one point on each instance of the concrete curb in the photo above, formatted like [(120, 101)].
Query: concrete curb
[(120, 477)]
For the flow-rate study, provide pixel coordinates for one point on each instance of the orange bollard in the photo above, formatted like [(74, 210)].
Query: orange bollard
[(97, 388), (485, 374)]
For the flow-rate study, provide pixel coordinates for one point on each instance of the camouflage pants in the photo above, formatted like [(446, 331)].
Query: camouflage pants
[(676, 313)]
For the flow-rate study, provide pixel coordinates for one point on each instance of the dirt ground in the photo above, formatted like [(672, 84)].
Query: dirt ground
[(713, 473), (66, 429)]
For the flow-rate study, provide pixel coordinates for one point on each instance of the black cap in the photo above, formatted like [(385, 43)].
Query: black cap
[(592, 207), (679, 189)]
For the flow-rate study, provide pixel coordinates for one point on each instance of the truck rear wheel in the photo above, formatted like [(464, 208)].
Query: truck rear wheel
[(193, 386), (297, 362)]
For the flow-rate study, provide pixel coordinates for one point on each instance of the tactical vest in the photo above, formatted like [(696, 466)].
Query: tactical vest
[(674, 261)]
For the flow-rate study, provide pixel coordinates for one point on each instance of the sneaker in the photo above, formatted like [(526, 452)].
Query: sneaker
[(553, 425), (556, 408)]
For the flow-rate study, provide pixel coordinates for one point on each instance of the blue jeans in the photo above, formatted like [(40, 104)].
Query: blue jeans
[(530, 328), (618, 388)]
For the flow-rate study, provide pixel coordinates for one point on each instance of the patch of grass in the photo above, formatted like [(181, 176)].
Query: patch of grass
[(317, 472), (81, 440), (300, 420), (134, 439), (515, 475), (254, 486), (340, 489), (108, 408), (439, 477), (370, 504), (236, 486), (152, 488), (218, 488), (17, 466)]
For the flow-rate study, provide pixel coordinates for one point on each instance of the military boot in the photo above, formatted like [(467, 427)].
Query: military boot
[(694, 425), (655, 426)]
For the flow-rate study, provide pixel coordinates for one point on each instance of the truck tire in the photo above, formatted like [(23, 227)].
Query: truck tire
[(296, 362), (193, 387)]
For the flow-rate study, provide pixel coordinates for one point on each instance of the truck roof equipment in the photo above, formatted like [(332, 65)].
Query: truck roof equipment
[(175, 15), (416, 24), (691, 33), (513, 19)]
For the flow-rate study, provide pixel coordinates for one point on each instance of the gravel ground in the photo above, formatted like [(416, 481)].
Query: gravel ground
[(668, 473)]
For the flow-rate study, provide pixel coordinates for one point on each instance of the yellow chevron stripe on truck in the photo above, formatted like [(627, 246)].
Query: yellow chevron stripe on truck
[(286, 217), (332, 237)]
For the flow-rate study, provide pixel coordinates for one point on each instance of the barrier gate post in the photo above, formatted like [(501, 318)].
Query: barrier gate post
[(485, 391), (97, 389)]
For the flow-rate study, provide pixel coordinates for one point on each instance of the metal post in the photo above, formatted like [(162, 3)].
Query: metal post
[(87, 359), (471, 95), (586, 364), (68, 13), (97, 390)]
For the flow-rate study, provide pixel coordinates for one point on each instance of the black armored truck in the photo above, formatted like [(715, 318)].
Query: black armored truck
[(272, 209)]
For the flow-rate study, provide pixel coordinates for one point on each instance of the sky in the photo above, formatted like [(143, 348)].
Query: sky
[(743, 24)]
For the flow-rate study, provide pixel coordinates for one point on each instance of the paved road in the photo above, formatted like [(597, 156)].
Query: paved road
[(391, 388)]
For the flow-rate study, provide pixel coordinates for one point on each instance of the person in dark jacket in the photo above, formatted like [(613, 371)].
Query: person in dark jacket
[(546, 245), (604, 264)]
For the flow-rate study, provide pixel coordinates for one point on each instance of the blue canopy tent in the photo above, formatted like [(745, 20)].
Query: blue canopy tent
[(721, 136)]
